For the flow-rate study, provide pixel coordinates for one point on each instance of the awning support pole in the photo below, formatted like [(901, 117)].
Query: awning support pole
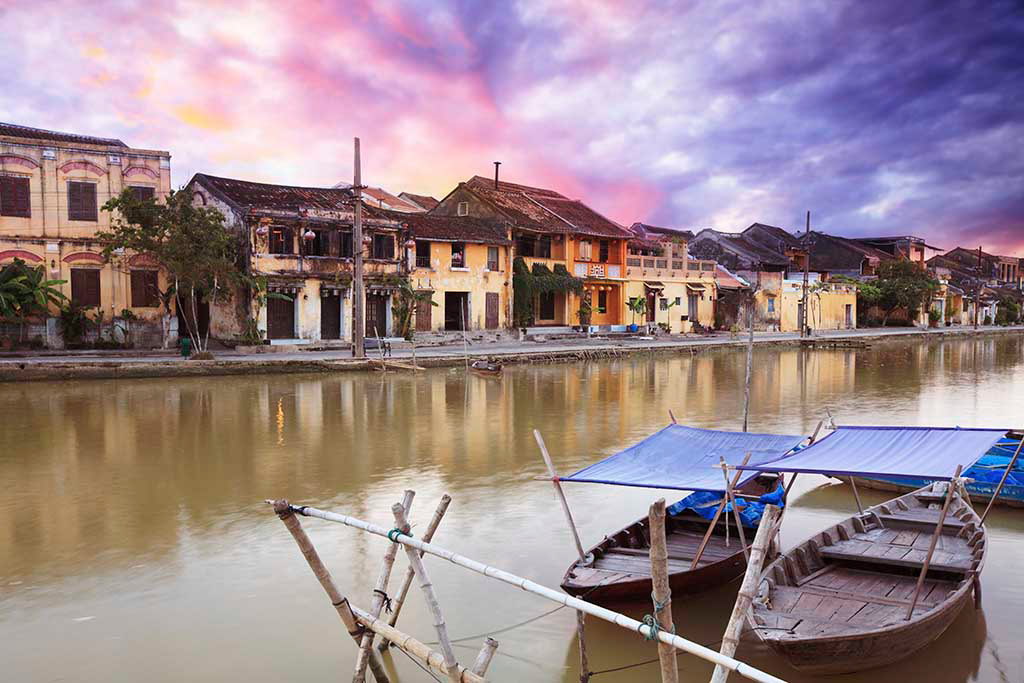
[(935, 541), (856, 496), (735, 510), (561, 496), (714, 520), (992, 500)]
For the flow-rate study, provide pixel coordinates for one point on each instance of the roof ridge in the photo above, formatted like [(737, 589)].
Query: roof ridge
[(59, 134), (564, 220)]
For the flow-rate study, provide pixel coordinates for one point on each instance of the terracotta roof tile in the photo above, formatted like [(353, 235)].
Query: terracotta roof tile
[(452, 228), (16, 131)]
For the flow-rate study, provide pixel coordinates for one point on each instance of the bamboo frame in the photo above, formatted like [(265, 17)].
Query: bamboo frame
[(745, 597), (287, 515), (935, 541), (735, 510), (380, 591), (428, 535), (714, 520), (561, 495), (662, 593), (999, 489), (483, 660), (856, 496)]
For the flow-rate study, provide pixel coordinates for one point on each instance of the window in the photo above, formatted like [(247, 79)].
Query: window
[(547, 306), (603, 251), (602, 301), (458, 255), (145, 289), (526, 245), (544, 247), (316, 246), (14, 197), (679, 300), (422, 254), (462, 209), (493, 262), (664, 304), (345, 246), (771, 304), (85, 287), (383, 247), (691, 306), (585, 250), (142, 193), (81, 201), (281, 241)]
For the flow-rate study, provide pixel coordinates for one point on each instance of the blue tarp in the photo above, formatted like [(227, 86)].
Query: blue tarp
[(705, 504), (685, 458), (926, 452)]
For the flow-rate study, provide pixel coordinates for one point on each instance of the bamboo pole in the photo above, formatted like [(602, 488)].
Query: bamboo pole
[(413, 647), (935, 541), (992, 500), (287, 515), (561, 495), (735, 510), (465, 342), (380, 348), (714, 520), (483, 660), (450, 663), (380, 593), (584, 667), (856, 496), (672, 417), (550, 594), (745, 597), (662, 593), (750, 361), (428, 536)]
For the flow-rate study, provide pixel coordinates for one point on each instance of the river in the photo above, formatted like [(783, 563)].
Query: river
[(134, 543)]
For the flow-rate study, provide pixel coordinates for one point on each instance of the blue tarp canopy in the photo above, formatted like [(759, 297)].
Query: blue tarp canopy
[(685, 458), (926, 452)]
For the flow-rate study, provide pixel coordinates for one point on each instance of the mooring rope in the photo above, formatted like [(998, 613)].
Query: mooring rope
[(386, 600)]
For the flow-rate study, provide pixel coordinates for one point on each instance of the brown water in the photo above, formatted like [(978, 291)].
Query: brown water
[(134, 544)]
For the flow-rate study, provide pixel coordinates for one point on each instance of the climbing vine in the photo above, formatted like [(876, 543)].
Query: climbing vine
[(527, 284)]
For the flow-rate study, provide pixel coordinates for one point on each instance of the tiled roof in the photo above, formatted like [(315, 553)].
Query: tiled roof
[(741, 246), (424, 201), (831, 252), (452, 228), (545, 211), (376, 196), (16, 131), (249, 195), (726, 280), (779, 235), (653, 232)]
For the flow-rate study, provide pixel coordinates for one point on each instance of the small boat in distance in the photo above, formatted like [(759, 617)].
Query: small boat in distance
[(838, 602), (485, 367)]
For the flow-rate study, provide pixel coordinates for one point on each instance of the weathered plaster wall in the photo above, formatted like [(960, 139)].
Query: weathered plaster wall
[(474, 278)]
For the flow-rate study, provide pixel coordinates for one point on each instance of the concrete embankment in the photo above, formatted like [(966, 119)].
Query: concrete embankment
[(32, 368)]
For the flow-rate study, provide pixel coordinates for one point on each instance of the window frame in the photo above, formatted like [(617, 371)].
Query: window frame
[(149, 297), (604, 251), (85, 300), (378, 251), (19, 205), (495, 264), (423, 254), (462, 209), (145, 190), (459, 250), (79, 212), (285, 238)]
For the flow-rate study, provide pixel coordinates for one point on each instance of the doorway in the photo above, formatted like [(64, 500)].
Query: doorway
[(281, 318), (492, 311), (849, 316), (376, 315), (183, 303), (456, 310), (652, 301), (330, 316), (423, 312)]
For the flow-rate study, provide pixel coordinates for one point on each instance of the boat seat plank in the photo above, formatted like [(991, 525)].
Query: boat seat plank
[(864, 598), (920, 519), (860, 551)]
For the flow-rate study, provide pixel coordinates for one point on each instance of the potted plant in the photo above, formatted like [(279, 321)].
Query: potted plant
[(636, 305), (933, 317)]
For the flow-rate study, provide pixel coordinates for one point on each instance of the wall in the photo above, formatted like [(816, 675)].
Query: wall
[(474, 278)]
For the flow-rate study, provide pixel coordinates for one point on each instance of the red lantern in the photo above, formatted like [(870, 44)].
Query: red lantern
[(410, 243), (309, 235)]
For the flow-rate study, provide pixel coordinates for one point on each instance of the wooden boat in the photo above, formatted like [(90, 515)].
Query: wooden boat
[(485, 367), (619, 567), (838, 602)]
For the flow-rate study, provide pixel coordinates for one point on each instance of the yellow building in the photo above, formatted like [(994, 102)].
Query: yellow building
[(466, 265), (52, 186), (678, 289)]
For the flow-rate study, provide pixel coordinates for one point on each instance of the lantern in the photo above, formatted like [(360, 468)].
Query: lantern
[(367, 238), (262, 230), (410, 243), (309, 235)]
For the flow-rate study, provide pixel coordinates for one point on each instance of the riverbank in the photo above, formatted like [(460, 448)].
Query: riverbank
[(128, 365)]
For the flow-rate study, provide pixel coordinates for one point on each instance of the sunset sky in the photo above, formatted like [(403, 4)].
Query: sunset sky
[(880, 117)]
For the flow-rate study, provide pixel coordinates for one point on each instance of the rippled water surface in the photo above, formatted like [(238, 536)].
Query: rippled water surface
[(134, 544)]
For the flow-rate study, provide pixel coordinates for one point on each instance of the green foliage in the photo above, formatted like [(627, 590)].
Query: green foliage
[(404, 304), (25, 292), (637, 305), (527, 285), (74, 323), (987, 320), (199, 252), (904, 284), (1007, 312), (585, 310), (934, 316)]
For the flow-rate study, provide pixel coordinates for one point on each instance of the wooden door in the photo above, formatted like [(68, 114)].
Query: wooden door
[(330, 317), (423, 313), (281, 318), (652, 301), (491, 321), (376, 315)]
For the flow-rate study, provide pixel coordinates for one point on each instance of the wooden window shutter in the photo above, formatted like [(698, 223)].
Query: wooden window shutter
[(85, 287), (144, 289), (81, 201), (14, 197)]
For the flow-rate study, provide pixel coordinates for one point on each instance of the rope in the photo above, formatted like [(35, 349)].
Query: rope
[(646, 661), (387, 600), (651, 620), (395, 533), (425, 669)]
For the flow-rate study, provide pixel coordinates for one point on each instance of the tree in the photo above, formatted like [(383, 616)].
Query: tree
[(191, 242), (903, 284), (25, 292), (405, 303)]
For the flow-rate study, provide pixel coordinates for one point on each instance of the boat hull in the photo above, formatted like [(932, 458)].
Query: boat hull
[(979, 491)]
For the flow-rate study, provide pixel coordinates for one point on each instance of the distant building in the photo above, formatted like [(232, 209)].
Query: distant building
[(425, 202), (901, 246), (52, 188)]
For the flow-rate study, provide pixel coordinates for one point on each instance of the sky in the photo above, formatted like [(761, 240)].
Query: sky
[(881, 118)]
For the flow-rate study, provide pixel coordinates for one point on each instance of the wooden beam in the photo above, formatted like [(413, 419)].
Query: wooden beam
[(662, 593), (935, 541), (735, 510), (561, 496), (714, 520), (999, 489)]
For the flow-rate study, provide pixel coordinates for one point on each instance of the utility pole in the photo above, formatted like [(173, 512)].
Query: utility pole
[(358, 295), (807, 267), (977, 292)]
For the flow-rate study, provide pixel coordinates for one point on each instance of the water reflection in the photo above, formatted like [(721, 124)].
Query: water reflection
[(132, 527)]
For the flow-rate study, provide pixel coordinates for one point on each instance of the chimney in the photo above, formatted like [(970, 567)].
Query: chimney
[(496, 165)]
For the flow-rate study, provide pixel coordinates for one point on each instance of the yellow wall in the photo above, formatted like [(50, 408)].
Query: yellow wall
[(474, 278), (673, 270), (826, 307)]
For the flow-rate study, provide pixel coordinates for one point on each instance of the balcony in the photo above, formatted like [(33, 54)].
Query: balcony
[(643, 267), (591, 269)]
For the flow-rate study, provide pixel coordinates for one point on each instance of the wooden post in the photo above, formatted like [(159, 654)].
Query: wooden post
[(561, 495), (380, 349), (483, 660), (450, 663), (584, 667), (935, 541), (465, 342), (672, 417), (380, 591), (747, 590), (1013, 461), (340, 603), (662, 593), (358, 291), (735, 510), (714, 520), (856, 496), (428, 536), (814, 436), (750, 361), (807, 267)]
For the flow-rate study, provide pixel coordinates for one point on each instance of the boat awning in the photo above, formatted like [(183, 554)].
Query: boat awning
[(924, 452), (654, 286), (694, 287), (685, 458)]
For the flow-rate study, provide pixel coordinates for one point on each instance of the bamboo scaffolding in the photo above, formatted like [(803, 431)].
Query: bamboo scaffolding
[(745, 597), (450, 663), (999, 489), (483, 660), (380, 595), (735, 510), (428, 536), (550, 594), (287, 515), (662, 593), (935, 541), (714, 520), (561, 496)]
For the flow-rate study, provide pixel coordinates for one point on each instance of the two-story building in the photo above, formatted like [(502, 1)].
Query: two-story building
[(52, 188), (679, 290), (554, 236)]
